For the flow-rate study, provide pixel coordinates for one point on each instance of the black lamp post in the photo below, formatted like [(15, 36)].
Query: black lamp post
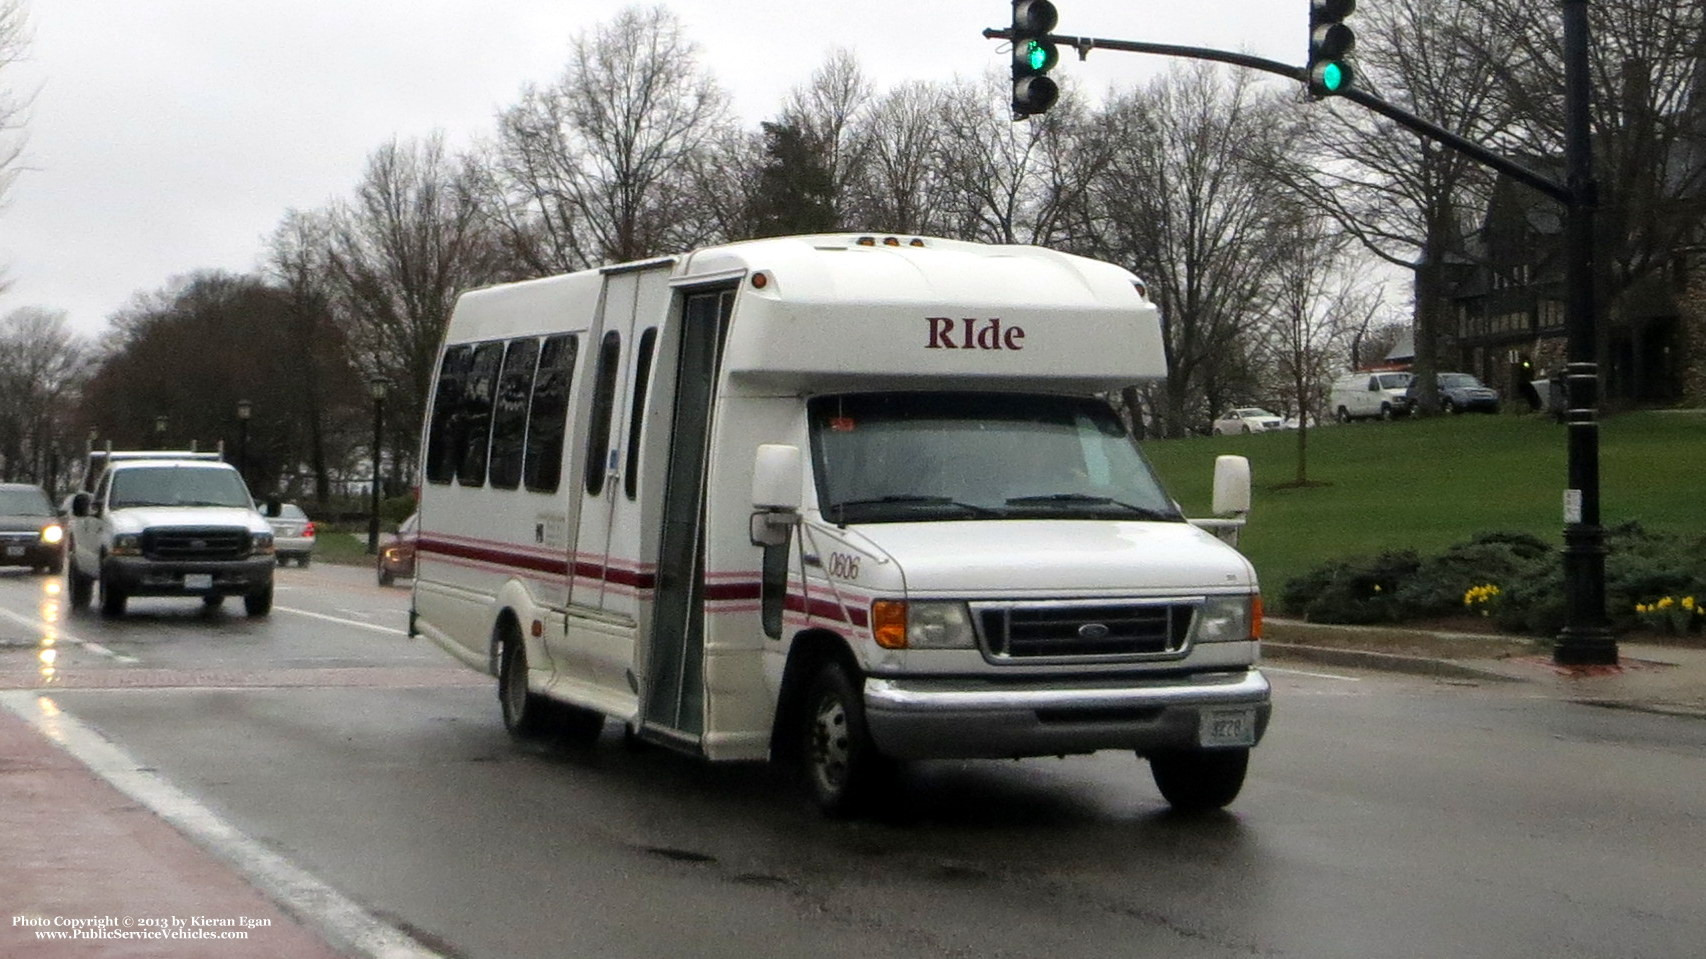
[(244, 410), (376, 388)]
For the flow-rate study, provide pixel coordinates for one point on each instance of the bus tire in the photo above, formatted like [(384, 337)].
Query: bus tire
[(842, 766), (524, 712), (1200, 780)]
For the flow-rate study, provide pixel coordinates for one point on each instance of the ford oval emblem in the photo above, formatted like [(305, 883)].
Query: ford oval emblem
[(1092, 632)]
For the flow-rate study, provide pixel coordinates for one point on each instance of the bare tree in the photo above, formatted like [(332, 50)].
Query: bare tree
[(13, 38), (1184, 204), (601, 160), (902, 189), (1409, 202), (412, 239), (1012, 182), (42, 363), (1648, 116), (1318, 299), (829, 111)]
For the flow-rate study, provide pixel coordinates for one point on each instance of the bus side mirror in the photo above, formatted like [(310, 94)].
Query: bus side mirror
[(778, 471), (1231, 486)]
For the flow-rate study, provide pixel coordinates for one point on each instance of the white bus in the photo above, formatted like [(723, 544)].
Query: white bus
[(844, 501)]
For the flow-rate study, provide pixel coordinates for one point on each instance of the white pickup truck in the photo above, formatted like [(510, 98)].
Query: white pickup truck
[(163, 527)]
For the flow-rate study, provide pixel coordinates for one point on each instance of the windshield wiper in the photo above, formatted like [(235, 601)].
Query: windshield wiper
[(1085, 499), (913, 500)]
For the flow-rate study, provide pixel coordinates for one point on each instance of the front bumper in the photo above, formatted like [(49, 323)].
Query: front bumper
[(138, 576), (960, 719), (34, 553)]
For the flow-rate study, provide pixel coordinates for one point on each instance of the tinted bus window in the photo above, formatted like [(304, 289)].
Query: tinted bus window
[(603, 400), (642, 377), (444, 443), (509, 412), (547, 415), (476, 415)]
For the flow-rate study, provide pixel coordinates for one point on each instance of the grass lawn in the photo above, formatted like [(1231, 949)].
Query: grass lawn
[(1427, 484), (346, 545)]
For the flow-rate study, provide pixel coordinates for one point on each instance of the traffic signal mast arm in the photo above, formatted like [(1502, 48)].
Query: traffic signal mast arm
[(1515, 171)]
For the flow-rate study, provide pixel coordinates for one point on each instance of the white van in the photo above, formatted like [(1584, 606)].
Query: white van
[(1370, 394), (843, 500)]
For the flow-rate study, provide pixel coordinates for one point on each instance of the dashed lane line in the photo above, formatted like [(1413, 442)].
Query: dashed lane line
[(346, 925), (346, 622)]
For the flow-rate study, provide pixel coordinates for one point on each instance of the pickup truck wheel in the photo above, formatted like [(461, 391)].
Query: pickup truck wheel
[(259, 602), (1198, 780), (82, 588), (1343, 415), (112, 598), (1386, 411), (843, 768)]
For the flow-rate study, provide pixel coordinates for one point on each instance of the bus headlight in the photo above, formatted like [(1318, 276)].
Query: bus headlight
[(1228, 619), (898, 624)]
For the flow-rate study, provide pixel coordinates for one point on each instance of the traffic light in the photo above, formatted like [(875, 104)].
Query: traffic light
[(1033, 57), (1330, 45)]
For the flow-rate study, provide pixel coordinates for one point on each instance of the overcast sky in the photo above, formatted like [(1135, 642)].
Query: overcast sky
[(168, 136)]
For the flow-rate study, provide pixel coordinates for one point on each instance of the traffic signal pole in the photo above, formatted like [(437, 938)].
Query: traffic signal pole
[(1586, 639)]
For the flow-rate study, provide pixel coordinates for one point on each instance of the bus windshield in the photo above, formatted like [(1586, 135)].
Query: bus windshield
[(909, 457)]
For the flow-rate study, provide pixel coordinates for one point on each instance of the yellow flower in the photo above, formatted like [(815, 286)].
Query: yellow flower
[(1688, 603), (1666, 603)]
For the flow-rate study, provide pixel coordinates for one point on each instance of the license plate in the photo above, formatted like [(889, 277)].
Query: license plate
[(1227, 727), (14, 551), (198, 580)]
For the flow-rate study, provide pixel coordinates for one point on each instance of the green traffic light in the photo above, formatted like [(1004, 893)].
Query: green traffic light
[(1333, 77), (1036, 55)]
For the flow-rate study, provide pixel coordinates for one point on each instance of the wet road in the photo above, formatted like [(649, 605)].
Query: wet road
[(1384, 816)]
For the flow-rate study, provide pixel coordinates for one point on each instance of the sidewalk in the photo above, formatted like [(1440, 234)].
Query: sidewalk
[(1650, 677)]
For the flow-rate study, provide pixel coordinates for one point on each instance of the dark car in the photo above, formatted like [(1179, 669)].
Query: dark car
[(30, 532), (397, 554), (1461, 393)]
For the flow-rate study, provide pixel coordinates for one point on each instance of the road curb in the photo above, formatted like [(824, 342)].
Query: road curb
[(1389, 662)]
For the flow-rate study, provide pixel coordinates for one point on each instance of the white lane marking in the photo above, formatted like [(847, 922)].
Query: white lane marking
[(347, 622), (1299, 672), (344, 924), (61, 636)]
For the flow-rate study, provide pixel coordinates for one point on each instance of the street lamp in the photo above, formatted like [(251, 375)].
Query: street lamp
[(160, 431), (244, 410), (376, 388)]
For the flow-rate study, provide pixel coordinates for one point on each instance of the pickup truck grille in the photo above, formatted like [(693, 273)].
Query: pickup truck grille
[(1082, 631), (196, 543)]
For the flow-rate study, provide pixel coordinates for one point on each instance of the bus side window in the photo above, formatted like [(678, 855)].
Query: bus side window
[(603, 402), (509, 412), (642, 378), (547, 414), (444, 441), (476, 413)]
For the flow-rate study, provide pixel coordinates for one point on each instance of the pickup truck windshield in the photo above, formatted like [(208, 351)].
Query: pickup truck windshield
[(178, 486), (910, 457)]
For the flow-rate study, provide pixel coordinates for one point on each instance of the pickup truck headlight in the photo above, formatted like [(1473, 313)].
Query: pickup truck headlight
[(1228, 619), (260, 544), (898, 624), (126, 544)]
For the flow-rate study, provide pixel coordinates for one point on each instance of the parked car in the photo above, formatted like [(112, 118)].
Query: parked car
[(397, 554), (1383, 394), (1248, 419), (1461, 392), (30, 532), (292, 534)]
